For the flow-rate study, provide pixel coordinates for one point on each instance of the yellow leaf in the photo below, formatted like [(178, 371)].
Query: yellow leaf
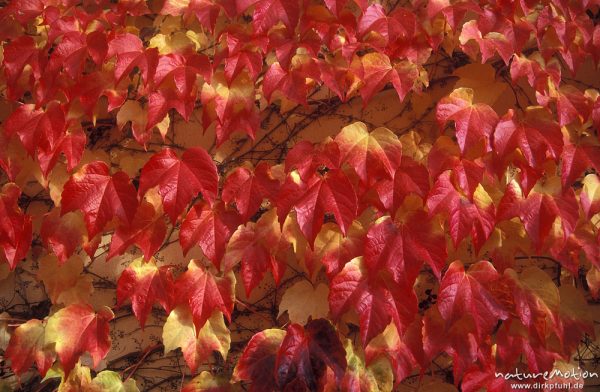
[(302, 301), (179, 332), (593, 281), (4, 335), (412, 146), (574, 306), (178, 42), (482, 79), (206, 381), (65, 284), (537, 281), (590, 193), (132, 111), (109, 381)]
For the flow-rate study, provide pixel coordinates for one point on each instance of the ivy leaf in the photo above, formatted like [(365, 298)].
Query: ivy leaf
[(307, 158), (331, 193), (248, 188), (77, 329), (210, 228), (305, 352), (258, 360), (147, 231), (539, 209), (268, 13), (401, 248), (373, 154), (302, 301), (410, 178), (576, 158), (64, 282), (474, 123), (183, 71), (230, 105), (466, 217), (206, 11), (466, 294), (62, 235), (42, 133), (257, 247), (19, 53), (404, 352), (130, 53), (197, 346), (535, 136), (377, 376), (108, 380), (100, 196), (27, 346), (535, 300), (15, 227), (377, 301), (180, 179), (145, 283), (74, 48), (376, 70), (206, 382), (205, 293), (590, 195)]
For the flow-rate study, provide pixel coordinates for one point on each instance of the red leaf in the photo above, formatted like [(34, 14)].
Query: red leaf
[(147, 231), (290, 82), (538, 211), (411, 177), (27, 346), (259, 247), (377, 302), (248, 189), (402, 250), (210, 228), (465, 217), (535, 136), (18, 54), (145, 283), (376, 70), (159, 103), (42, 132), (257, 362), (179, 180), (15, 226), (307, 158), (305, 352), (473, 122), (332, 193), (576, 158), (204, 292), (77, 329), (466, 294), (231, 104), (404, 352), (73, 49), (131, 53), (206, 11), (373, 154), (183, 71), (62, 235), (100, 196), (267, 13)]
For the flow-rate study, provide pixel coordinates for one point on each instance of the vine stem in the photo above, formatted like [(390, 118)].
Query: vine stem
[(149, 350)]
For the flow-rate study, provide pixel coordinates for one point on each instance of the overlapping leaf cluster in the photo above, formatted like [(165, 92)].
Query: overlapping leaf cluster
[(366, 211)]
